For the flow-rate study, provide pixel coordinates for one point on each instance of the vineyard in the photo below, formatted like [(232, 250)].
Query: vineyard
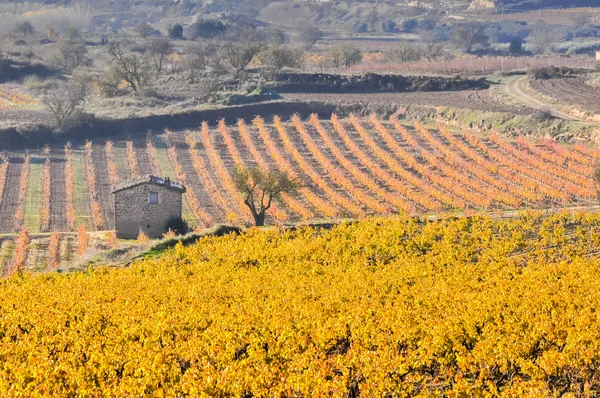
[(387, 307), (350, 168), (469, 64)]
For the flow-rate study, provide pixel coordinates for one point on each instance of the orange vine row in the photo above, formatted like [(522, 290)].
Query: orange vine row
[(335, 172), (91, 183), (316, 177), (326, 208), (46, 192), (23, 182), (221, 170), (132, 159), (69, 189), (54, 251), (278, 213), (111, 163), (191, 196)]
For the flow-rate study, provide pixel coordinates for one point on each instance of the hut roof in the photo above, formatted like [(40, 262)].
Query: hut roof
[(150, 179)]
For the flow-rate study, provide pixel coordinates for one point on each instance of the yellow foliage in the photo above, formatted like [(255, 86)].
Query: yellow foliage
[(384, 307)]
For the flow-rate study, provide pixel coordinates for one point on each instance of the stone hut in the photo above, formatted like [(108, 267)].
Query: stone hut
[(146, 204)]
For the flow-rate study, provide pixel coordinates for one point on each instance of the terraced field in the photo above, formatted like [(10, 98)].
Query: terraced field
[(350, 168)]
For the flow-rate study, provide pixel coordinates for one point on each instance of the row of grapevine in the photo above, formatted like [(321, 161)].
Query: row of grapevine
[(289, 200), (111, 164), (3, 173), (221, 169), (208, 183), (91, 183), (70, 189), (23, 183), (191, 196), (132, 159), (312, 173), (284, 164), (335, 172), (46, 192)]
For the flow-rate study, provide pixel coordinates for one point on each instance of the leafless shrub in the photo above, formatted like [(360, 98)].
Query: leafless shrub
[(207, 87), (64, 106), (130, 69)]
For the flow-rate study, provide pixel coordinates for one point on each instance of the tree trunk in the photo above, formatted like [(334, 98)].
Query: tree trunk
[(259, 218)]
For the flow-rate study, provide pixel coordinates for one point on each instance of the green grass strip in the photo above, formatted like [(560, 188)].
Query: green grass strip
[(33, 200), (6, 255), (121, 162)]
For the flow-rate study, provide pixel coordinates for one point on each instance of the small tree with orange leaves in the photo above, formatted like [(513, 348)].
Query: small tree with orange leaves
[(83, 240), (142, 238), (21, 251), (54, 251)]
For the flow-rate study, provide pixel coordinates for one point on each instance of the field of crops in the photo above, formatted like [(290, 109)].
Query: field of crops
[(350, 168), (380, 308)]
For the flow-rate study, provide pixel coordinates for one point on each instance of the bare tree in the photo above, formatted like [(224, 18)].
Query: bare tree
[(81, 84), (275, 58), (237, 56), (310, 35), (205, 88), (543, 38), (432, 48), (260, 188), (346, 56), (372, 19), (24, 29), (130, 68), (64, 105), (158, 49), (72, 53), (405, 52), (195, 60), (467, 36)]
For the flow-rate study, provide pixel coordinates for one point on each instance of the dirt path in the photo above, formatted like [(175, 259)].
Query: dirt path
[(513, 87)]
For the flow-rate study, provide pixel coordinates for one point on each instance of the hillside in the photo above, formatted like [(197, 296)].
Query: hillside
[(381, 307)]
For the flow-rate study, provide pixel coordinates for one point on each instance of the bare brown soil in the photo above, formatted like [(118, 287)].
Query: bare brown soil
[(58, 217), (10, 199), (103, 187), (572, 91), (475, 99)]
